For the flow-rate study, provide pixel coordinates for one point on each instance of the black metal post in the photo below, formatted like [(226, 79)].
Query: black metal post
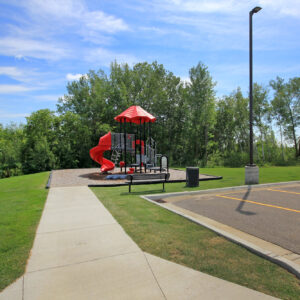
[(254, 10), (125, 142), (149, 139), (140, 145), (154, 145), (130, 147), (145, 146), (120, 139), (250, 89), (135, 135)]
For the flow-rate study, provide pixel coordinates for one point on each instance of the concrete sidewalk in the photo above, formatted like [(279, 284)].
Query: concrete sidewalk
[(81, 252)]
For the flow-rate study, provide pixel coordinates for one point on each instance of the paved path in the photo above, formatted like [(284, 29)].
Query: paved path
[(81, 252)]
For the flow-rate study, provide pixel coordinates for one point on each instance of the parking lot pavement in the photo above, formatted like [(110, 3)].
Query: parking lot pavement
[(269, 213)]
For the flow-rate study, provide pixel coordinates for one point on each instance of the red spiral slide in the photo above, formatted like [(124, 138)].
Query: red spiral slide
[(96, 153)]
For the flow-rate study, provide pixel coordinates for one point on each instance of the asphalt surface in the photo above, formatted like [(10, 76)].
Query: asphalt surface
[(272, 214)]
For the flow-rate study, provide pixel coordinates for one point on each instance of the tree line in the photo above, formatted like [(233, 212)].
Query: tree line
[(193, 127)]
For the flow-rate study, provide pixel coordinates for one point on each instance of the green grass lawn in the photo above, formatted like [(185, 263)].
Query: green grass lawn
[(236, 176), (22, 200), (162, 233)]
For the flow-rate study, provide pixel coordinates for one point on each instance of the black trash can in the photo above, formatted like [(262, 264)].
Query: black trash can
[(192, 176)]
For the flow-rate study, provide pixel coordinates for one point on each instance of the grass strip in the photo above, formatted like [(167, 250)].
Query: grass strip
[(167, 235), (22, 200)]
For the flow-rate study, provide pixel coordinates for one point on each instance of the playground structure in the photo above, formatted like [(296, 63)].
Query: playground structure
[(140, 148)]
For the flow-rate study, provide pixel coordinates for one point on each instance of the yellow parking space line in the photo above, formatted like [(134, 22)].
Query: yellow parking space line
[(258, 190), (243, 190), (259, 203), (281, 191)]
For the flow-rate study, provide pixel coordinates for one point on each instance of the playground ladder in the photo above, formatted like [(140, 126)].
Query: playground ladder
[(115, 156)]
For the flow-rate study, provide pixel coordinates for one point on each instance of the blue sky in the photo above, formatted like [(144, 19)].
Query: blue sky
[(44, 44)]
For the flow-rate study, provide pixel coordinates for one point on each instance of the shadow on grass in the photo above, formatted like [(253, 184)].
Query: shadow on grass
[(160, 190), (145, 192)]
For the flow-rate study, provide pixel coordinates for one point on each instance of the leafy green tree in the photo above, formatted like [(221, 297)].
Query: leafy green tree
[(11, 141), (201, 109), (191, 127), (97, 99), (261, 113), (232, 129), (74, 142), (225, 128), (286, 107), (40, 142), (89, 98), (156, 90), (241, 120)]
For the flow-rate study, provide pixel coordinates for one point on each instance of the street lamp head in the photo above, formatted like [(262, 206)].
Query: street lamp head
[(255, 10)]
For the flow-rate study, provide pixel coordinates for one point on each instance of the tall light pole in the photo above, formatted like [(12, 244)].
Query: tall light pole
[(251, 175)]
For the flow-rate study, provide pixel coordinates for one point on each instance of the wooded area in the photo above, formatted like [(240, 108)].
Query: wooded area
[(193, 127)]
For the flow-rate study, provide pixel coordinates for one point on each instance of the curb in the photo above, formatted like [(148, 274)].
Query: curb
[(234, 188), (49, 180), (279, 260)]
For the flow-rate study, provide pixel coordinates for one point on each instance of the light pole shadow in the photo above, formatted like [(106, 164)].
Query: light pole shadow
[(242, 203)]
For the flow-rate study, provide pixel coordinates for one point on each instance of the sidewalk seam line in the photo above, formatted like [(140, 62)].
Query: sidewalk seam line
[(80, 228), (23, 287), (294, 259), (154, 276), (82, 262)]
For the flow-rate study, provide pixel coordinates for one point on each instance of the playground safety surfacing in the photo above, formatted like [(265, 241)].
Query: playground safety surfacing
[(93, 177)]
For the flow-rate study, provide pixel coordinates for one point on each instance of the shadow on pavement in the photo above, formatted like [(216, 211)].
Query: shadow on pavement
[(242, 203)]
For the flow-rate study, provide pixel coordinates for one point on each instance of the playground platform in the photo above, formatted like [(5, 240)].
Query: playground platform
[(92, 177)]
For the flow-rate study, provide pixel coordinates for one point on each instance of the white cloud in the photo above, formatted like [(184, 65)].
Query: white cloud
[(20, 57), (75, 13), (31, 79), (164, 31), (22, 75), (36, 32), (230, 7), (72, 77), (14, 88), (283, 7), (99, 21), (20, 47), (206, 6), (11, 72), (185, 80), (57, 8), (6, 115), (47, 98), (97, 38), (104, 57), (242, 69), (223, 24)]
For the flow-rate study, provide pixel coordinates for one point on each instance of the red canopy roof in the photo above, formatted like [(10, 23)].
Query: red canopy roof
[(135, 114)]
